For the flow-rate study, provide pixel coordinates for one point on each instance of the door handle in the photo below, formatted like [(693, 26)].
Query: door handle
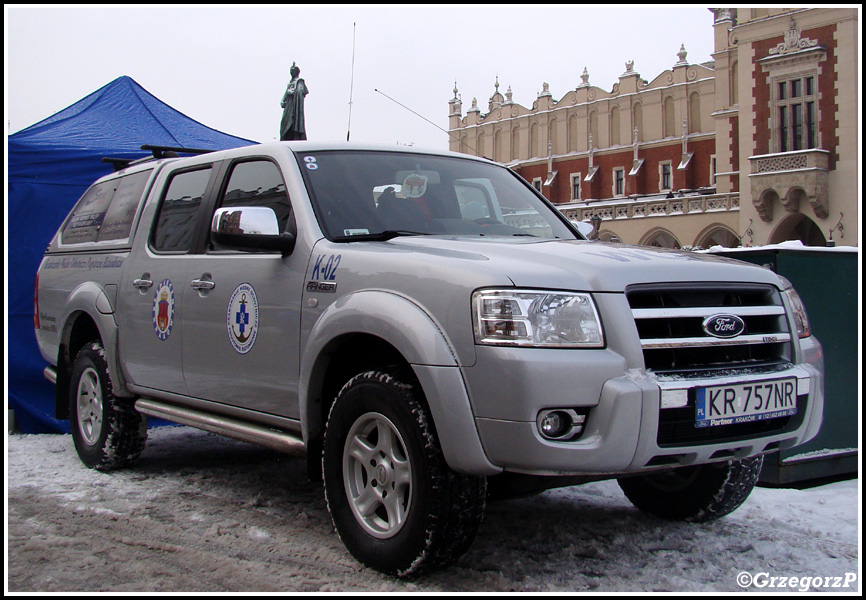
[(203, 284), (142, 283)]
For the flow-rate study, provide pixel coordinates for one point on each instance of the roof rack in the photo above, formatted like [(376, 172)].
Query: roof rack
[(171, 151), (117, 163), (157, 152)]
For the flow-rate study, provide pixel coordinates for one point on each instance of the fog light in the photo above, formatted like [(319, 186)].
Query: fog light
[(554, 424), (564, 424)]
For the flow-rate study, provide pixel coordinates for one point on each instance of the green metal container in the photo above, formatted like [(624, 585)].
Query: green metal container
[(827, 280)]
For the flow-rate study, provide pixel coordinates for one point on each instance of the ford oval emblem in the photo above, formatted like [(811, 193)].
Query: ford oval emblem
[(724, 326)]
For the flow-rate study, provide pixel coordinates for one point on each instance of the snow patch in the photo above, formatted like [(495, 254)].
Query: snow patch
[(201, 513)]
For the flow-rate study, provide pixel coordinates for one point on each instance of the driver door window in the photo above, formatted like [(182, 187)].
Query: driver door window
[(259, 183)]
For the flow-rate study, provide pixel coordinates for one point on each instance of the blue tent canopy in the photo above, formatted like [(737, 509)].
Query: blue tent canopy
[(50, 164)]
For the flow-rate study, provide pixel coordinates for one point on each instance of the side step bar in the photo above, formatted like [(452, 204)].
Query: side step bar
[(280, 441)]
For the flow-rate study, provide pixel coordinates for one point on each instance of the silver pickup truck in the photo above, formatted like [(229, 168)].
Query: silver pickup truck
[(422, 326)]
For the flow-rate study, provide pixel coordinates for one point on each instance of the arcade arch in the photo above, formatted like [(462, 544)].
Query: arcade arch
[(717, 235), (798, 227), (660, 238)]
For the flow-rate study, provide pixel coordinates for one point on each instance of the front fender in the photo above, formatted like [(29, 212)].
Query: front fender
[(422, 343), (389, 316)]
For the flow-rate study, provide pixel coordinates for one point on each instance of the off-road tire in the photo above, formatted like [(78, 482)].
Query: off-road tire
[(107, 431), (395, 503), (695, 493)]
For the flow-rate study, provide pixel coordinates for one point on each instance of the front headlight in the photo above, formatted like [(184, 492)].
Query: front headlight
[(508, 317), (801, 320)]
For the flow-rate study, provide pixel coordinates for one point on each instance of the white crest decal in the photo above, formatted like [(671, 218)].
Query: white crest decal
[(242, 318), (414, 186)]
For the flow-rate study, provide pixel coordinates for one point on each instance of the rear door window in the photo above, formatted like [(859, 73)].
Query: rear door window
[(180, 210)]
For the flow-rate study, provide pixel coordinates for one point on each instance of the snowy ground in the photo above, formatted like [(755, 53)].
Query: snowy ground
[(203, 513)]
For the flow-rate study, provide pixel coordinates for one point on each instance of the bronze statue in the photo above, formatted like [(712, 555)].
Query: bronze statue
[(292, 126)]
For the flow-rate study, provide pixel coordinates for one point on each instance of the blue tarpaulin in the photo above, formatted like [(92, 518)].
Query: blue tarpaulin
[(50, 164)]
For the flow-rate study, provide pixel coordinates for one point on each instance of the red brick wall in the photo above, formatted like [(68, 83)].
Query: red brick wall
[(645, 182), (698, 174), (655, 156), (606, 164), (531, 172)]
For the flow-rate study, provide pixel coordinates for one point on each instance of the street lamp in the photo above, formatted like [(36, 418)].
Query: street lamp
[(831, 242), (596, 225)]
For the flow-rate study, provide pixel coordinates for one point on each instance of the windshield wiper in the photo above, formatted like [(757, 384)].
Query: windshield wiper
[(382, 236)]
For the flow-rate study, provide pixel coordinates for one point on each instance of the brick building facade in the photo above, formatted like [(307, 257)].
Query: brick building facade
[(751, 148)]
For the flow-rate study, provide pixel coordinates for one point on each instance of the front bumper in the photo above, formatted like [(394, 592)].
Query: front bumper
[(627, 410)]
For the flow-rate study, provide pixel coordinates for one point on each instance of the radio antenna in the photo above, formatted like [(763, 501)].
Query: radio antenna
[(425, 118), (351, 84)]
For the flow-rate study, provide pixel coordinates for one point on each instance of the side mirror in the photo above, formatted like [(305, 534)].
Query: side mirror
[(250, 228), (585, 228)]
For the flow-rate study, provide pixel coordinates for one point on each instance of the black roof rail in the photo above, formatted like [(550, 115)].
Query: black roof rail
[(171, 151), (157, 152), (118, 163)]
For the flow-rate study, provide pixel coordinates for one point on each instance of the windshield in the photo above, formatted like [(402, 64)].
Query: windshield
[(379, 195)]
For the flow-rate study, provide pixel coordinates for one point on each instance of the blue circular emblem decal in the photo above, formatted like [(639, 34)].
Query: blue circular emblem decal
[(163, 309), (242, 318)]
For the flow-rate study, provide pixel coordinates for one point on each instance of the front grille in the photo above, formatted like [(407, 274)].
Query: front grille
[(670, 319)]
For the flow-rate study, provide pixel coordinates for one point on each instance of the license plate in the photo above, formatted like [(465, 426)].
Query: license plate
[(745, 402)]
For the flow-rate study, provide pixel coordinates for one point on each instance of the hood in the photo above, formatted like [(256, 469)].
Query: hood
[(587, 266)]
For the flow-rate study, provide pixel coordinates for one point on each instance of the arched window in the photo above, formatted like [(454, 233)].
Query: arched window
[(593, 128), (614, 127), (497, 145), (695, 113), (551, 135), (533, 141), (515, 143), (572, 133), (669, 122)]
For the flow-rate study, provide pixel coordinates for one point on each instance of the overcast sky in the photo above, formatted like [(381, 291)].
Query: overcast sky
[(227, 66)]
